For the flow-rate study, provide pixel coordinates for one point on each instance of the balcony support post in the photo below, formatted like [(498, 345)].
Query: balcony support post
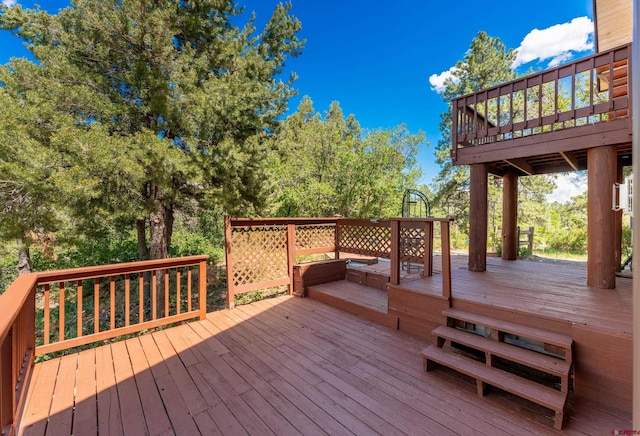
[(478, 218), (601, 262), (510, 244)]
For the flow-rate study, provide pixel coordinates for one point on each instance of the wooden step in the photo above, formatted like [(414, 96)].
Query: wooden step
[(512, 353), (548, 337), (487, 375)]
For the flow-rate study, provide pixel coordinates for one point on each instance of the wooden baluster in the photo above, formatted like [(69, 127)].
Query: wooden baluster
[(154, 293), (47, 312), (112, 302), (140, 297), (96, 305), (61, 312), (189, 308), (127, 306), (178, 302), (166, 292), (79, 311)]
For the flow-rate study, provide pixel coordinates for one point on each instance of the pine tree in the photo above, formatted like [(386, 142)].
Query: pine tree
[(150, 104), (486, 63)]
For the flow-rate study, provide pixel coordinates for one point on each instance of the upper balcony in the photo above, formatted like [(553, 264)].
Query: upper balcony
[(545, 122)]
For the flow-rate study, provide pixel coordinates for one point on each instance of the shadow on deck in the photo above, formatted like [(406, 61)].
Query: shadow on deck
[(279, 366)]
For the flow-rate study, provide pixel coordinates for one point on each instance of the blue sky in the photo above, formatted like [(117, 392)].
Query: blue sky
[(382, 60)]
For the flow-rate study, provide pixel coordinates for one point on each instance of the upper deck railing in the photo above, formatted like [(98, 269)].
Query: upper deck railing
[(261, 252), (586, 92), (84, 305)]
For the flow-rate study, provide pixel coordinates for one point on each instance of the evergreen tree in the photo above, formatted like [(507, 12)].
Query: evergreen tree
[(327, 165), (486, 63), (172, 87), (150, 104)]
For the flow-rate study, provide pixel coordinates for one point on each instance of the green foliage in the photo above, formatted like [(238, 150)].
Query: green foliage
[(566, 228), (326, 165), (524, 252), (135, 109), (486, 63), (187, 243)]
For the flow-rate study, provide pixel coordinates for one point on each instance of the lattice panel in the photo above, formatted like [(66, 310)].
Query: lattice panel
[(308, 237), (412, 245), (259, 254), (366, 240)]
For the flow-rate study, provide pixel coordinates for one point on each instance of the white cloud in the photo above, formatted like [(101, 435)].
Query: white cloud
[(437, 80), (557, 42), (568, 186), (9, 3)]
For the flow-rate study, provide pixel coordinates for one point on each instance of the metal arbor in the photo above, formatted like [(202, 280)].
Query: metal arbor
[(415, 204)]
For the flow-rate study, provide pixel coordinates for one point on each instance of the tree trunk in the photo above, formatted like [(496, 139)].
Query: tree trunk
[(158, 243), (143, 254), (143, 249), (24, 260)]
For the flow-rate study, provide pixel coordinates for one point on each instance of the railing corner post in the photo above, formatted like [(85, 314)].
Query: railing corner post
[(395, 252), (446, 260), (229, 261), (291, 254), (202, 289)]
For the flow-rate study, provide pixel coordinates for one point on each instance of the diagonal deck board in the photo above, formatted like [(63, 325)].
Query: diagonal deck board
[(279, 366)]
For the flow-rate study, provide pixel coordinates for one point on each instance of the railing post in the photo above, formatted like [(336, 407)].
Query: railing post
[(446, 260), (337, 239), (202, 290), (229, 266), (395, 252), (291, 254), (428, 249)]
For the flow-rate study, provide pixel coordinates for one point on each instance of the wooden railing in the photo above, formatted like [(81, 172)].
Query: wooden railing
[(261, 253), (592, 90), (17, 346), (106, 302)]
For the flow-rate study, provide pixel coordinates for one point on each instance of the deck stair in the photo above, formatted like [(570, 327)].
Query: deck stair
[(449, 340)]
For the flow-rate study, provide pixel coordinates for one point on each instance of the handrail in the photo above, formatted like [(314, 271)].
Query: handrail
[(18, 302), (590, 90)]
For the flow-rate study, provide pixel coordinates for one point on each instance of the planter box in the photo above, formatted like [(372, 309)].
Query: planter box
[(316, 273)]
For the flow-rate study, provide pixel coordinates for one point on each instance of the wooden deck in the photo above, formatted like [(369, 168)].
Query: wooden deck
[(546, 289), (279, 366), (546, 295)]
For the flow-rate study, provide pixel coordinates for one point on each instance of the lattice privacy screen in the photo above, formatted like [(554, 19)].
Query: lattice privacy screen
[(315, 236), (412, 246), (259, 254), (366, 240)]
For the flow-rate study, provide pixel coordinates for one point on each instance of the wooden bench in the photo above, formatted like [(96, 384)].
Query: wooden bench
[(493, 345), (316, 273)]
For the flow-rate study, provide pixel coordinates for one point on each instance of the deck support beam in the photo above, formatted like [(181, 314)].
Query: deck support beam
[(510, 244), (478, 218), (601, 263)]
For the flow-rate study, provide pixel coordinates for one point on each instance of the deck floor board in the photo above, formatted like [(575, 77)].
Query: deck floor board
[(279, 366)]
